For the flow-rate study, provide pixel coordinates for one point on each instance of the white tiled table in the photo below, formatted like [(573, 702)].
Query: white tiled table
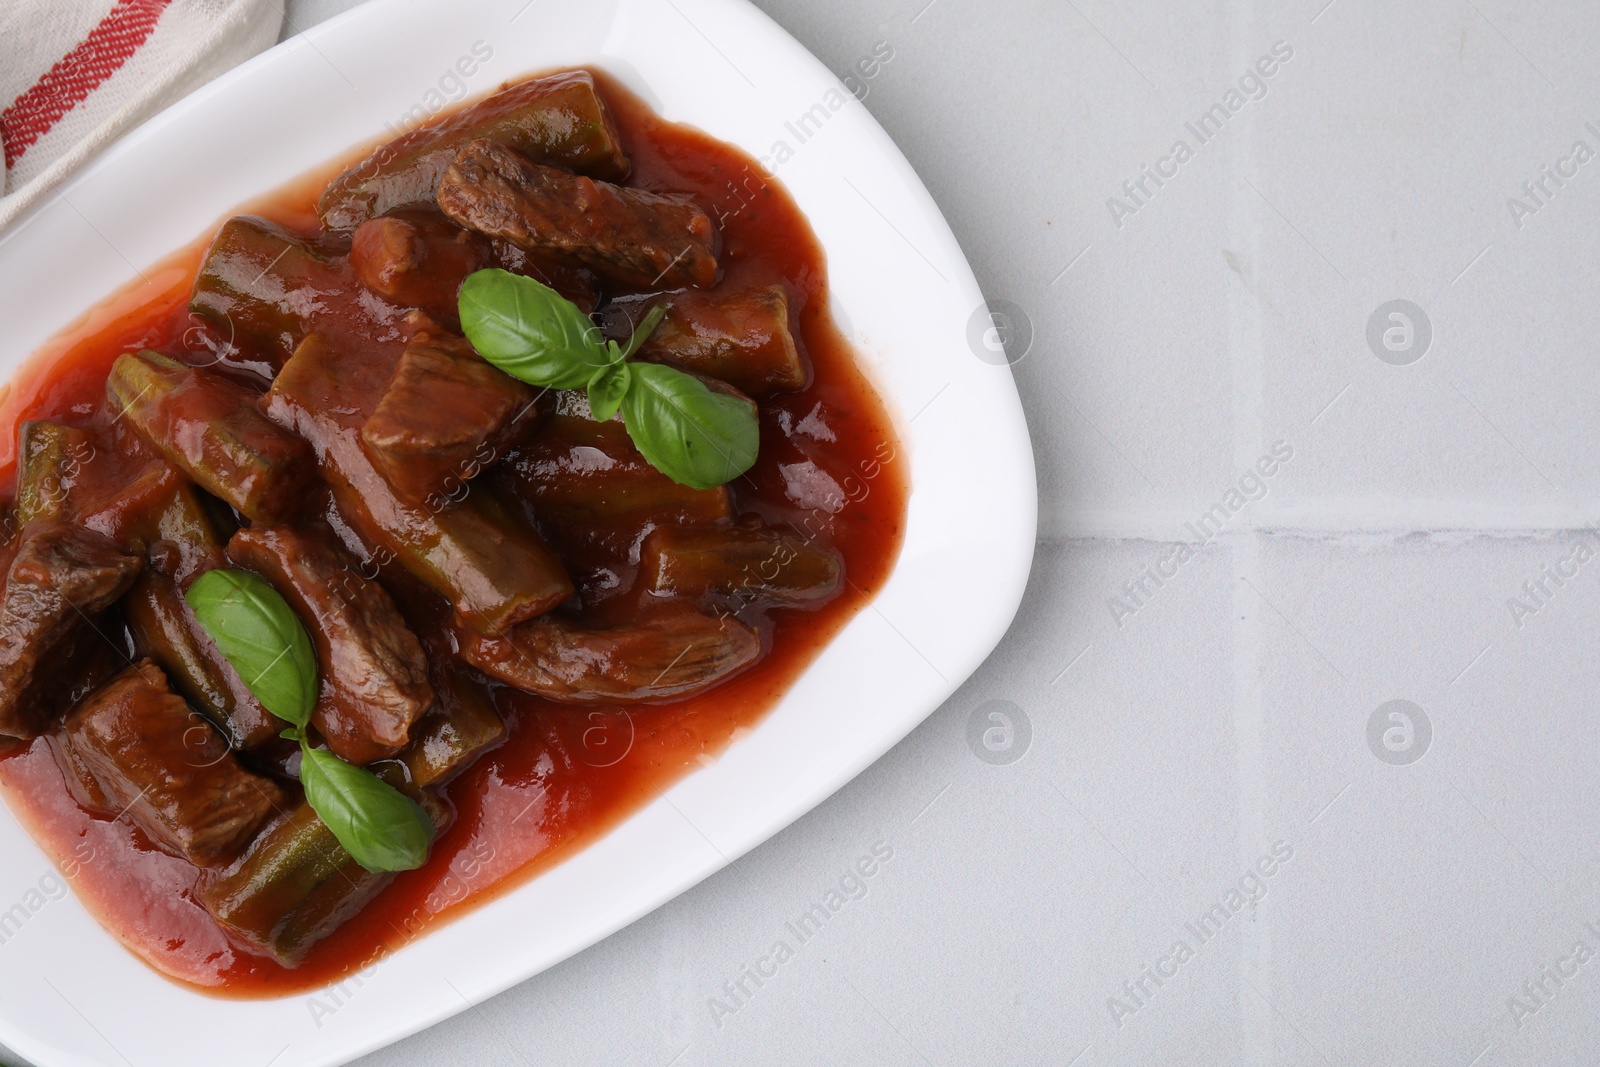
[(1178, 739)]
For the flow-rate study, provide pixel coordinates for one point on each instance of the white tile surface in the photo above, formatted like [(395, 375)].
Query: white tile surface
[(1230, 712)]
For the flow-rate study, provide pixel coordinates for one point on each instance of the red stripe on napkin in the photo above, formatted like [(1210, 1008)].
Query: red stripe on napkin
[(101, 54)]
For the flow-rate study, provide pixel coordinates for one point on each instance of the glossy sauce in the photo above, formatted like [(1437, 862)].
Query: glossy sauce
[(830, 464)]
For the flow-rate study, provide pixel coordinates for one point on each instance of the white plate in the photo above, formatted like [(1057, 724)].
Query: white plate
[(69, 994)]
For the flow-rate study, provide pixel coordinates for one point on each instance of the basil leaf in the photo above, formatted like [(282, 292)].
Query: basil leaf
[(381, 827), (608, 389), (692, 435), (262, 637), (529, 330)]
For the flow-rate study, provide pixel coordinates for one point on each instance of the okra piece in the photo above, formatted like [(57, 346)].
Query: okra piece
[(185, 531), (669, 656), (157, 512), (166, 631), (462, 725), (560, 120), (297, 885), (581, 474), (494, 569), (258, 282), (745, 562), (51, 460), (214, 431), (741, 338)]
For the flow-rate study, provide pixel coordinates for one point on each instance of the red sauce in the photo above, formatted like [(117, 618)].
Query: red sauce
[(830, 463)]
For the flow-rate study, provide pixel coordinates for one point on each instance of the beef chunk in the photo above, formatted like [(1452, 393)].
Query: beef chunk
[(417, 259), (444, 418), (741, 338), (585, 477), (374, 674), (595, 496), (635, 239), (62, 576), (168, 770)]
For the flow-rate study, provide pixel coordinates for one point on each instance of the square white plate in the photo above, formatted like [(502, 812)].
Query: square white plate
[(69, 994)]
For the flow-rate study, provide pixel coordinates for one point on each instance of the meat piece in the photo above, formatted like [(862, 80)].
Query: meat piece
[(59, 580), (494, 570), (168, 770), (374, 675), (672, 655), (417, 259), (740, 338), (559, 119), (632, 238), (445, 417), (214, 431), (746, 562), (166, 631), (259, 284)]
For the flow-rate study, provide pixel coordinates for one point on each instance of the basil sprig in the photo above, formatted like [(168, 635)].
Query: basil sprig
[(266, 643), (694, 435)]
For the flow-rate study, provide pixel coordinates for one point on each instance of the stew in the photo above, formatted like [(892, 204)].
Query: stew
[(335, 602)]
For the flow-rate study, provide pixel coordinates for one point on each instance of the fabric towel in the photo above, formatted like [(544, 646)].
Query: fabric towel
[(77, 74)]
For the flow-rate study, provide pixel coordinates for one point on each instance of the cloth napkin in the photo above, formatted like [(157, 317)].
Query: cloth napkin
[(77, 74)]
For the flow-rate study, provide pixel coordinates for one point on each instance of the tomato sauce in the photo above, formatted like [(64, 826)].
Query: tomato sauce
[(830, 464)]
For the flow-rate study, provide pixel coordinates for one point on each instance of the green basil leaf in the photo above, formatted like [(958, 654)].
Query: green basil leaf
[(608, 389), (529, 330), (381, 827), (262, 637), (694, 436)]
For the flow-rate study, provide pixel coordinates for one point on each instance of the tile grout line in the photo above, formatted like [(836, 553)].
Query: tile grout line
[(1247, 343), (1335, 521)]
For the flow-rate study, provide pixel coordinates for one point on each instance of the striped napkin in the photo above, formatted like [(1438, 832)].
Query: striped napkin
[(77, 74)]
